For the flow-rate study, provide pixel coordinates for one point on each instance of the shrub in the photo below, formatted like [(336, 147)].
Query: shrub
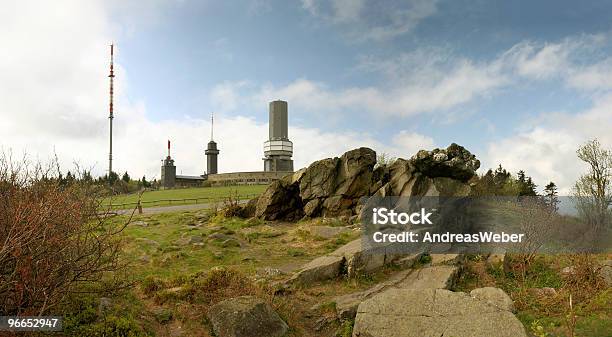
[(53, 238)]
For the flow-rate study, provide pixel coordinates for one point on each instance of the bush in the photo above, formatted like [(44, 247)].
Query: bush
[(52, 239)]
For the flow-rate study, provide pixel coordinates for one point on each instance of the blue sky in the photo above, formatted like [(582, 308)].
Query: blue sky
[(520, 83)]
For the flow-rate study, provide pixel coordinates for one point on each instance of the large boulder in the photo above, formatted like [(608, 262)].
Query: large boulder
[(433, 313), (280, 201), (453, 162), (246, 316), (334, 186)]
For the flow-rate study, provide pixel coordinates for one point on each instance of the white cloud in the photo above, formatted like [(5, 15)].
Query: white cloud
[(347, 10), (406, 144), (592, 77), (424, 81), (547, 151), (54, 98), (364, 20)]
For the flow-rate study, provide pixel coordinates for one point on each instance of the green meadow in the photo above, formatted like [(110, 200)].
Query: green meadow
[(177, 196)]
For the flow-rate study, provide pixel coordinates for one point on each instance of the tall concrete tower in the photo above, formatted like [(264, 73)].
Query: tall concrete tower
[(278, 149), (211, 151), (168, 171)]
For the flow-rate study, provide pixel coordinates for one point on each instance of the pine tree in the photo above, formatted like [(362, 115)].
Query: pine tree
[(551, 196), (145, 183), (112, 178)]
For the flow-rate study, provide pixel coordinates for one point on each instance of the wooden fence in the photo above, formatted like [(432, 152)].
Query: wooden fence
[(184, 201)]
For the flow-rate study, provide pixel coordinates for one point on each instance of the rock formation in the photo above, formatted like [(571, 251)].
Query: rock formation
[(246, 316), (334, 186), (433, 313)]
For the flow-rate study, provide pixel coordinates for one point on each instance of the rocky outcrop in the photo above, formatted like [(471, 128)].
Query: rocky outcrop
[(454, 162), (280, 201), (352, 259), (433, 313), (494, 296), (334, 186), (246, 316), (435, 277)]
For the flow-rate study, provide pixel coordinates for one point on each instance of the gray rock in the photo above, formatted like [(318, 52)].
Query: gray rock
[(359, 259), (352, 258), (568, 271), (436, 277), (327, 232), (280, 201), (496, 259), (437, 259), (320, 269), (147, 241), (269, 272), (425, 278), (190, 240), (220, 237), (432, 313), (139, 223), (333, 186), (494, 296), (230, 243), (245, 316), (542, 292), (453, 162), (104, 305)]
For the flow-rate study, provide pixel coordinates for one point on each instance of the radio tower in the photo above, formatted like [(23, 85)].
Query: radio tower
[(110, 116)]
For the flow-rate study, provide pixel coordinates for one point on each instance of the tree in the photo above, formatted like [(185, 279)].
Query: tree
[(594, 189), (529, 189), (525, 184), (112, 178), (126, 177), (145, 183), (551, 196), (384, 159)]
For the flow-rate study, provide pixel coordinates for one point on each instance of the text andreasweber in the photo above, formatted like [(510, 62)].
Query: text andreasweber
[(383, 216)]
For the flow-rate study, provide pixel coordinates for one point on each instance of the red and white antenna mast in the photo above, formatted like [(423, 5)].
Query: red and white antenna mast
[(111, 116)]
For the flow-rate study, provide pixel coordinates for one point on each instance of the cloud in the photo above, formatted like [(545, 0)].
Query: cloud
[(546, 149), (575, 60), (406, 144), (54, 99), (363, 20), (424, 81)]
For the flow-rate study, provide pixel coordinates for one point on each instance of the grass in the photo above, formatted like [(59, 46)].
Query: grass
[(546, 315), (213, 193), (176, 282)]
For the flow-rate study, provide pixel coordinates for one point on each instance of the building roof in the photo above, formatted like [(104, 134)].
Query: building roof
[(190, 177)]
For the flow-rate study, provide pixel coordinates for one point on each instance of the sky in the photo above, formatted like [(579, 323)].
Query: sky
[(518, 83)]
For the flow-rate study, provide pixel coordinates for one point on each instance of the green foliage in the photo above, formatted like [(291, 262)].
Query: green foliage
[(501, 182), (83, 317), (346, 328), (537, 329), (384, 159), (295, 252), (151, 284), (163, 315), (424, 259)]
